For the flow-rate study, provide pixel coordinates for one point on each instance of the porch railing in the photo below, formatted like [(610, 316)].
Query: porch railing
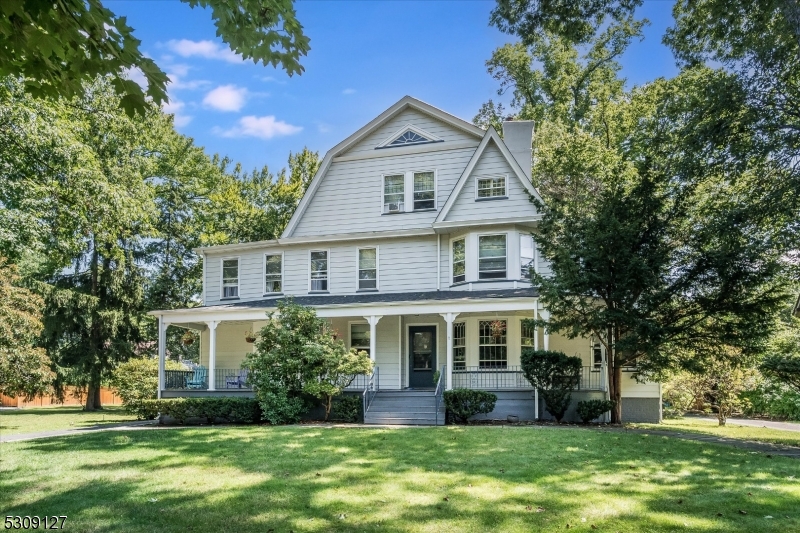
[(197, 379), (358, 383), (511, 377), (371, 389), (440, 390)]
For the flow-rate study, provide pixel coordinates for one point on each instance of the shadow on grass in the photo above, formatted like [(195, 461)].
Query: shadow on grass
[(431, 479)]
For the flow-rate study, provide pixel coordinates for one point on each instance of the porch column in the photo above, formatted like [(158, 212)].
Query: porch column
[(373, 322), (449, 318), (162, 353), (546, 317), (212, 352), (536, 347)]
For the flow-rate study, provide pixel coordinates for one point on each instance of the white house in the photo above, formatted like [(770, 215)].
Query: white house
[(414, 240)]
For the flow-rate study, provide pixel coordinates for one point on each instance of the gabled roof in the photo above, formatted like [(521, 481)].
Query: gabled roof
[(377, 122), (491, 135)]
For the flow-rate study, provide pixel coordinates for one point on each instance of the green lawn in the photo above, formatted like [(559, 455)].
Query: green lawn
[(35, 419), (319, 479), (732, 431)]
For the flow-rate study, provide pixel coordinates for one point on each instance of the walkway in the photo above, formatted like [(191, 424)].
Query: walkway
[(772, 424)]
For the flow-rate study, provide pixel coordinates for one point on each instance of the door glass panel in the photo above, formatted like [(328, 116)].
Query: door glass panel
[(423, 350)]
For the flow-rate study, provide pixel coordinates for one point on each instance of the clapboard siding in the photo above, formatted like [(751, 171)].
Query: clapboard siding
[(410, 116), (491, 163), (350, 195)]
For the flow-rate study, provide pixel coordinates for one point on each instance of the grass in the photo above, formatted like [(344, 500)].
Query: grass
[(470, 479), (35, 419), (732, 431)]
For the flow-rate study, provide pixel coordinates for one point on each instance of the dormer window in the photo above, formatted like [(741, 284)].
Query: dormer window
[(394, 193), (491, 188)]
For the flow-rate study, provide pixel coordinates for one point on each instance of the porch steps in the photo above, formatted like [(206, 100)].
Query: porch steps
[(406, 407)]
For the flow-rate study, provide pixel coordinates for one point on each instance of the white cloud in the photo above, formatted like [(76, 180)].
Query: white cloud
[(322, 127), (175, 106), (262, 127), (206, 49), (226, 98), (349, 91)]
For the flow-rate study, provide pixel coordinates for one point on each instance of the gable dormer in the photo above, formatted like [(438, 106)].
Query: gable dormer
[(409, 135)]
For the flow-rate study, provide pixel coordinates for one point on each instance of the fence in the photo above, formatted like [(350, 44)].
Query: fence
[(72, 396)]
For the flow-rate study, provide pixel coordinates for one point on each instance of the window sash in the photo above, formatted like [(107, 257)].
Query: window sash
[(424, 190), (319, 271), (597, 356), (526, 255), (492, 351), (273, 273), (459, 346), (367, 268), (230, 278), (394, 192), (527, 335), (359, 337), (491, 187), (459, 261), (492, 257)]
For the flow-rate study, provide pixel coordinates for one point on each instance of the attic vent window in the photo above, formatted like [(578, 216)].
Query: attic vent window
[(409, 137)]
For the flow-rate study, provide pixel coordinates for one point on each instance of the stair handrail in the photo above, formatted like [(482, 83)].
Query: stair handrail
[(371, 389), (440, 391)]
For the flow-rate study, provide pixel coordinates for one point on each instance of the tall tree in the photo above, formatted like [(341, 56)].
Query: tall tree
[(58, 46)]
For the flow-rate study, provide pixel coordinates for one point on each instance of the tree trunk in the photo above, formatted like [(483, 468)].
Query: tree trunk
[(615, 392), (93, 393), (721, 417), (328, 404)]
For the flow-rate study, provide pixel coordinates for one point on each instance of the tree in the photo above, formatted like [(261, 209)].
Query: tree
[(136, 380), (782, 363), (555, 375), (24, 367), (296, 355), (58, 47)]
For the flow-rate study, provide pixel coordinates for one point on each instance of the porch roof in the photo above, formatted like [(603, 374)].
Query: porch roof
[(377, 303)]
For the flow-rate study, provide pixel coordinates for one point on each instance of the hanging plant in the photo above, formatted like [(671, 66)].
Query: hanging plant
[(249, 336), (498, 328), (187, 339)]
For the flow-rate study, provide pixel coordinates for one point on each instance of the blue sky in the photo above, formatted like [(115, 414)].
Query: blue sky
[(365, 55)]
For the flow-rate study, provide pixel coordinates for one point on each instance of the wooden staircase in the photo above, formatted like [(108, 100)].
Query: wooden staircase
[(405, 407)]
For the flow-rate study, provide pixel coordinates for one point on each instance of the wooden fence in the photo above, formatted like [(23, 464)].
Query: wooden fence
[(107, 397)]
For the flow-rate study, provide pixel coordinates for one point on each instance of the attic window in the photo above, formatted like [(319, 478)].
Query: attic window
[(409, 137)]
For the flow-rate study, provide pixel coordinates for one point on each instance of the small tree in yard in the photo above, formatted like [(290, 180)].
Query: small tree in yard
[(296, 356), (555, 375), (136, 380)]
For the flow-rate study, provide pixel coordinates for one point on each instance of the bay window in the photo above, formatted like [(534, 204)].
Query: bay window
[(492, 257)]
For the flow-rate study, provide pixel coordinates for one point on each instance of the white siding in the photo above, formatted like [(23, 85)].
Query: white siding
[(350, 196), (491, 163), (411, 116)]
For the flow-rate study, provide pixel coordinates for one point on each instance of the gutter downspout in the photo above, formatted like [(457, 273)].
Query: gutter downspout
[(438, 262)]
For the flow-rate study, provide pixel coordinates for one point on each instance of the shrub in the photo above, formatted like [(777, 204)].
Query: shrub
[(555, 375), (773, 401), (136, 380), (465, 403), (591, 409), (277, 407), (347, 408), (233, 410)]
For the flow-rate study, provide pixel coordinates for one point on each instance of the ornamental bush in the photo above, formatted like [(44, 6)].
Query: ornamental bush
[(591, 409), (555, 374), (347, 408), (466, 403), (209, 410), (136, 380)]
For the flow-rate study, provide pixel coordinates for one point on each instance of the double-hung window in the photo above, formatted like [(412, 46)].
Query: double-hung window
[(459, 260), (526, 256), (597, 356), (492, 347), (367, 268), (359, 337), (491, 257), (527, 335), (491, 188), (459, 345), (424, 190), (319, 270), (230, 278), (273, 273), (394, 193)]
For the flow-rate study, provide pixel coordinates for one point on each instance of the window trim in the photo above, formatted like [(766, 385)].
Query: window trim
[(377, 268), (383, 192), (464, 346), (435, 189), (419, 131), (532, 263), (350, 324), (485, 198), (478, 255), (506, 345), (222, 277), (328, 279), (452, 260), (595, 367), (264, 272)]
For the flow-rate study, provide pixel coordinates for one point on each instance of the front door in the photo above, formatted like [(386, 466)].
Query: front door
[(422, 356)]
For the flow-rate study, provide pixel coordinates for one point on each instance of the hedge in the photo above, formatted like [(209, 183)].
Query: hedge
[(233, 410), (465, 403)]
